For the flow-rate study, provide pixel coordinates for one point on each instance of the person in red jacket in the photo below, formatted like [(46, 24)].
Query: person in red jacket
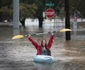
[(44, 48)]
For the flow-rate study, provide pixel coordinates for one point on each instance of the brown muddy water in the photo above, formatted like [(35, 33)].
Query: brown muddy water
[(18, 54)]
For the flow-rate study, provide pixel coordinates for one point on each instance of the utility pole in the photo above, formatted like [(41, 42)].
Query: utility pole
[(16, 17), (67, 20)]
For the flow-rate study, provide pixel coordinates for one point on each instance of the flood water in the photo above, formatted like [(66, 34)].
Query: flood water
[(18, 54)]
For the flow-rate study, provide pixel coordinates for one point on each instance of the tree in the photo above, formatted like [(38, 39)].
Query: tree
[(5, 13), (27, 11), (37, 10), (6, 3), (41, 7), (5, 10), (33, 8), (41, 4), (77, 5)]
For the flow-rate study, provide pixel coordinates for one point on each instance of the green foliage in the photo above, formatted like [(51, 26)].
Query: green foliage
[(62, 13), (34, 8), (27, 10), (5, 13), (5, 9), (78, 5), (6, 3), (27, 1)]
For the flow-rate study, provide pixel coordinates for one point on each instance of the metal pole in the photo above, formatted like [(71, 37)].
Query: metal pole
[(67, 19), (16, 16)]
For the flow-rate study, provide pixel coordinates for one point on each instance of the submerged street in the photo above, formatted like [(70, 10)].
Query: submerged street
[(18, 54)]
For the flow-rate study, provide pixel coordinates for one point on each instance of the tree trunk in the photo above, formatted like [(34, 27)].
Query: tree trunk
[(23, 22), (40, 18)]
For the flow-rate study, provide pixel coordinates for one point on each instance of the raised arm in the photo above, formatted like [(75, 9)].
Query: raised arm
[(51, 40), (33, 42)]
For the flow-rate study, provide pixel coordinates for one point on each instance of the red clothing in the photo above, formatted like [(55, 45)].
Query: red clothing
[(38, 47)]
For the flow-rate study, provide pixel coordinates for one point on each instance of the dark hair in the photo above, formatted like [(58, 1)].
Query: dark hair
[(42, 43)]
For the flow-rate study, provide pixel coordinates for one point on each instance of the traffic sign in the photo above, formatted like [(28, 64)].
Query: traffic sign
[(50, 13), (49, 4)]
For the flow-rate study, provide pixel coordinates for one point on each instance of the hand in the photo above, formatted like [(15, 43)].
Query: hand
[(29, 35), (52, 33)]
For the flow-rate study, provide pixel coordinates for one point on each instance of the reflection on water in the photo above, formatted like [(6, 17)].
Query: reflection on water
[(43, 66), (16, 56), (16, 31), (75, 65), (7, 32), (60, 65)]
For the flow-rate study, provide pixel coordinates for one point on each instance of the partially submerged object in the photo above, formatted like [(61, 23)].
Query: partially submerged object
[(43, 59)]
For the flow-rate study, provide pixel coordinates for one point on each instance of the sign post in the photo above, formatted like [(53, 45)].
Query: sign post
[(50, 13)]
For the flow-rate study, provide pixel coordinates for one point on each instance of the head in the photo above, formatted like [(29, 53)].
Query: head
[(43, 43)]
